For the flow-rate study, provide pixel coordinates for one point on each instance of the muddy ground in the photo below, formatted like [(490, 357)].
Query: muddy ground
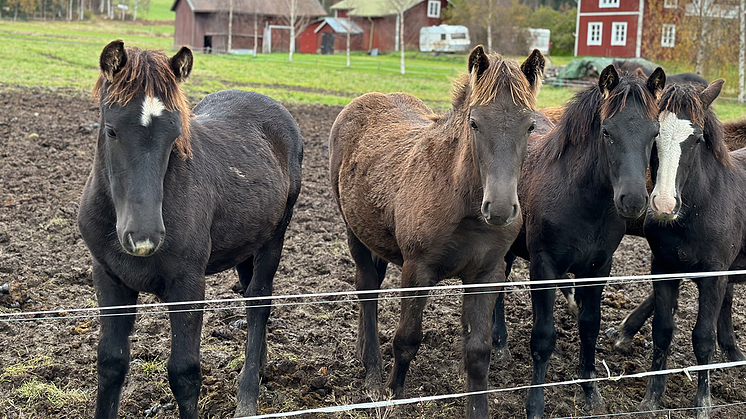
[(47, 366)]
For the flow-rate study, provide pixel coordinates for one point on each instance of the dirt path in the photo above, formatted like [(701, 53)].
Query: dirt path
[(47, 367)]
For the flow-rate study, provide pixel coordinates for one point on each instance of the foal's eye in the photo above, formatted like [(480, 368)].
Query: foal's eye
[(605, 133), (110, 133), (699, 140), (473, 124), (531, 128)]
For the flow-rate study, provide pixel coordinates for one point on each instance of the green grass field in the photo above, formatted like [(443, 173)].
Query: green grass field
[(65, 55)]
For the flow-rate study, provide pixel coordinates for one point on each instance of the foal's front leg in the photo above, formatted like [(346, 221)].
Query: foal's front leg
[(476, 322), (666, 294), (589, 323), (408, 336), (543, 332), (184, 372), (711, 293), (114, 344)]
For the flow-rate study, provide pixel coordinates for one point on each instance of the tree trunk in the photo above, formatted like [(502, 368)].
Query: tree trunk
[(292, 30), (348, 46), (741, 49), (230, 28), (698, 69), (134, 15), (396, 34), (401, 39), (256, 43)]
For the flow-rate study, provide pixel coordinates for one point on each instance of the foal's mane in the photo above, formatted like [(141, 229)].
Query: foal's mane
[(501, 75), (581, 122), (684, 99), (149, 72)]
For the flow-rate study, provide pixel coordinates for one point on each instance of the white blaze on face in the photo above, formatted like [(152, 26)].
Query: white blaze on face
[(151, 107), (673, 132)]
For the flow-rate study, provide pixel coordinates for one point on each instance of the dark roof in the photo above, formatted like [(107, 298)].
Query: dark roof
[(263, 7)]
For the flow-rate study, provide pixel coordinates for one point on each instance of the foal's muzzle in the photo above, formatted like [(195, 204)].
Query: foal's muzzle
[(500, 215), (143, 245)]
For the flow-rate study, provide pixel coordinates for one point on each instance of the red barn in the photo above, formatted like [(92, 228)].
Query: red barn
[(609, 28), (331, 35), (203, 24), (378, 20)]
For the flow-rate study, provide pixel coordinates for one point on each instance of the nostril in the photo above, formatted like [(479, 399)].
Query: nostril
[(130, 241), (486, 209)]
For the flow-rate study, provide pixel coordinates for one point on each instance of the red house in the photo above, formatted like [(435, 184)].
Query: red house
[(203, 25), (609, 28), (379, 19)]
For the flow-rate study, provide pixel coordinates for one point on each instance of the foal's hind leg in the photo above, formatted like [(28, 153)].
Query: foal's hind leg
[(369, 273), (114, 345), (633, 323), (258, 274), (726, 336), (244, 280)]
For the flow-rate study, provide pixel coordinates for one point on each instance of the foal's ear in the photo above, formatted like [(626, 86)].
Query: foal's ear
[(478, 59), (533, 69), (608, 80), (656, 82), (711, 92), (113, 58), (181, 63)]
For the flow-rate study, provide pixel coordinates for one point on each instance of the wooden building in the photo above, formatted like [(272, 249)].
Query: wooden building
[(609, 28), (203, 25), (379, 20)]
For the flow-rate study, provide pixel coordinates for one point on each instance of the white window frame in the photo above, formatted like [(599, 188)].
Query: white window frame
[(615, 41), (433, 9), (668, 35), (598, 41), (670, 4), (605, 4)]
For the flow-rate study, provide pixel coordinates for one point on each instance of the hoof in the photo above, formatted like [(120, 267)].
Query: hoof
[(595, 404), (373, 381), (502, 355), (703, 412), (245, 409), (734, 355), (648, 405)]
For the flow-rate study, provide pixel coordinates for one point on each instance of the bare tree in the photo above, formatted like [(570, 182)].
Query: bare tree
[(230, 27), (741, 48), (400, 6), (297, 22)]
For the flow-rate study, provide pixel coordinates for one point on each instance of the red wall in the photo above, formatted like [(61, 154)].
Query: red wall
[(384, 28), (606, 49), (306, 42), (591, 6)]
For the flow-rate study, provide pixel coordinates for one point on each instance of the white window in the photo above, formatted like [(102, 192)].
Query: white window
[(668, 36), (595, 29), (608, 3), (433, 8), (619, 33), (670, 4)]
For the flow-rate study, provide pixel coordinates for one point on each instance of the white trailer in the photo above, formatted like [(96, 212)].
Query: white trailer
[(444, 38)]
